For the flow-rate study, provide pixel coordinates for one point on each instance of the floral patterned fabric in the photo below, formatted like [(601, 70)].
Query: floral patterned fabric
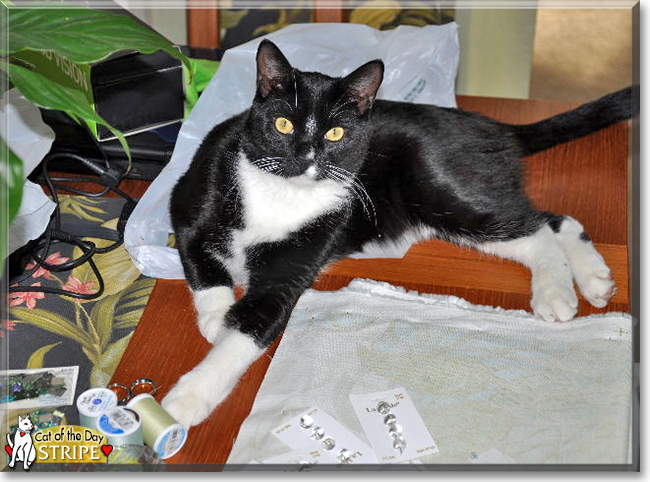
[(48, 330)]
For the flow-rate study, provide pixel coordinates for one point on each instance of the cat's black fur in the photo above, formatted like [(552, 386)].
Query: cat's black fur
[(454, 171)]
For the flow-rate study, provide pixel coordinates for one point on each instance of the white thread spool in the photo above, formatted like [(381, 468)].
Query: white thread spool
[(93, 402), (121, 426), (160, 431)]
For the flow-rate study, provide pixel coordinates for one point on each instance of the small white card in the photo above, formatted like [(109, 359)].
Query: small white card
[(304, 456), (397, 435), (322, 433)]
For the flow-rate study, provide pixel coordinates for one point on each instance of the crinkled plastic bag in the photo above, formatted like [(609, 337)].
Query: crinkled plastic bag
[(420, 66), (30, 139)]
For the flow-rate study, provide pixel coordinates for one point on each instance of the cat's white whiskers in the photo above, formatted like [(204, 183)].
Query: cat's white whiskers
[(268, 164), (362, 192), (295, 89), (351, 188), (356, 187)]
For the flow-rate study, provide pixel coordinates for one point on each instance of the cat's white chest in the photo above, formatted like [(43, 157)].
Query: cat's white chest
[(273, 207)]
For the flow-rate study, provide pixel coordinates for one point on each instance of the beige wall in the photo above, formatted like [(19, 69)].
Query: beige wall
[(169, 22), (495, 51), (581, 54)]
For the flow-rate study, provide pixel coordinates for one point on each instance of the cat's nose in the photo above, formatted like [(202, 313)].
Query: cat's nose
[(305, 150)]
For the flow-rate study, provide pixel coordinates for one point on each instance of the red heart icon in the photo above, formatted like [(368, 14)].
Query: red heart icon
[(107, 449), (8, 449)]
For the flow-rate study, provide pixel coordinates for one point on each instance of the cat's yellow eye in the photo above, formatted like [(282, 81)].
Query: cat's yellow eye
[(335, 134), (283, 125)]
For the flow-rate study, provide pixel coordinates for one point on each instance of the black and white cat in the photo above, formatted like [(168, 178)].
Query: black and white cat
[(317, 169)]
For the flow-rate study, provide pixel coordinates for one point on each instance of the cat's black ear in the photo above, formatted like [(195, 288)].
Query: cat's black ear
[(273, 69), (363, 83)]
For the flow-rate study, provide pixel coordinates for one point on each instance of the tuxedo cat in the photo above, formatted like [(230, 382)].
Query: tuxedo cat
[(318, 169), (22, 447)]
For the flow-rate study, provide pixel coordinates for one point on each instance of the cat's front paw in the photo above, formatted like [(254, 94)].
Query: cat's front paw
[(186, 401), (210, 324), (555, 302), (212, 305)]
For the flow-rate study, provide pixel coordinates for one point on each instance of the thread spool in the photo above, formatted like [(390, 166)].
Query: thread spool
[(159, 429), (121, 426), (91, 403)]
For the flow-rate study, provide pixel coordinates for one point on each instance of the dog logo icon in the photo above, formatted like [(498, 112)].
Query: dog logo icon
[(22, 447)]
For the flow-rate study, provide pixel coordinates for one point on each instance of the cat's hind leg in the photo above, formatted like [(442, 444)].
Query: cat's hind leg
[(553, 296), (593, 277)]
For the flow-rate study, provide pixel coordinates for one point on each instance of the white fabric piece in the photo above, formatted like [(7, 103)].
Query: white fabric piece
[(492, 386), (30, 139), (421, 65)]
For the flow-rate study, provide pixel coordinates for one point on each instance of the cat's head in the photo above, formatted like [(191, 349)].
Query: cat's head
[(25, 424), (307, 125)]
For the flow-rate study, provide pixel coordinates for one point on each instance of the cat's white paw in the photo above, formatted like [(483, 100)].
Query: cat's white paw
[(185, 401), (210, 324), (594, 278), (212, 305), (555, 301)]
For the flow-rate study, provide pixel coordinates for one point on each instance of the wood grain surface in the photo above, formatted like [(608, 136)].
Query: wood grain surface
[(586, 179)]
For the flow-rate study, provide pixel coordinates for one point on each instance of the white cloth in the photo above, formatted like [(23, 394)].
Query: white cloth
[(493, 386)]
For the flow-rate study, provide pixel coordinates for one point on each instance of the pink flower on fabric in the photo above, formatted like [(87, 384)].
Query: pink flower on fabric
[(6, 325), (27, 297), (54, 258), (76, 286)]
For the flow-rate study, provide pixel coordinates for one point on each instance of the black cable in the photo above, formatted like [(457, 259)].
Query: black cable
[(54, 234)]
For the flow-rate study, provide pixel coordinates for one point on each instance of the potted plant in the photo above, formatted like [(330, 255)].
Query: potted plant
[(82, 36)]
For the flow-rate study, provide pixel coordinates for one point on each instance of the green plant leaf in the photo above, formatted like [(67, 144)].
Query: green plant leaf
[(11, 193), (105, 366), (36, 360), (50, 95), (46, 320), (82, 35)]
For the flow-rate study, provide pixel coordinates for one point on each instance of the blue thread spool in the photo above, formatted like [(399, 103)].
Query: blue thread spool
[(92, 403), (121, 426)]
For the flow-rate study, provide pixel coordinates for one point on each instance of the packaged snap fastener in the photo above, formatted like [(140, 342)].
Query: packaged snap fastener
[(321, 434), (393, 425)]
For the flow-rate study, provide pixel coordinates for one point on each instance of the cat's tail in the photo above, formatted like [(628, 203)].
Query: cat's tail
[(588, 118), (11, 444)]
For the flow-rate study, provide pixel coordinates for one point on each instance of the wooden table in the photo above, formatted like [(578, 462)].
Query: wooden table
[(586, 179)]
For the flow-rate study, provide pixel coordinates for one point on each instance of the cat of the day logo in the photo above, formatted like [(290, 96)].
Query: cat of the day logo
[(64, 444)]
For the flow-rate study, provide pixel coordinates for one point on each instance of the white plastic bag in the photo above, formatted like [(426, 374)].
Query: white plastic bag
[(420, 66), (30, 139)]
